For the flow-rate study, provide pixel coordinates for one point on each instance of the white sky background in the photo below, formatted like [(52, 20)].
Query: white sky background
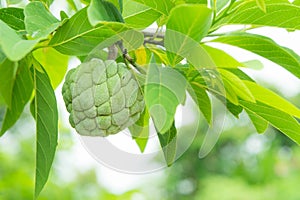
[(117, 182)]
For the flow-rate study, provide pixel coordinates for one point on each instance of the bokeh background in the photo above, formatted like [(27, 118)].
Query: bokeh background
[(243, 164)]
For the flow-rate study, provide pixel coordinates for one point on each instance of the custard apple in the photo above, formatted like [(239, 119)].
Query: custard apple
[(102, 97)]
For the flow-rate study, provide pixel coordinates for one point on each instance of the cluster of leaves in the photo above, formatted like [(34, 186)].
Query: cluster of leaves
[(36, 46)]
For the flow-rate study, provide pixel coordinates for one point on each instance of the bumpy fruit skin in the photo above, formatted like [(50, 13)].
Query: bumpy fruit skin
[(102, 98)]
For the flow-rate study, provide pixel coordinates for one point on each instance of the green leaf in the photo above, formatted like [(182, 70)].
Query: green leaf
[(10, 2), (259, 123), (278, 14), (265, 47), (164, 91), (77, 31), (13, 17), (12, 45), (272, 99), (55, 64), (262, 5), (39, 22), (297, 2), (238, 86), (220, 4), (100, 11), (140, 130), (186, 26), (164, 7), (46, 116), (280, 120), (8, 71), (221, 58), (46, 2), (253, 64), (242, 75), (22, 91), (168, 143), (139, 15)]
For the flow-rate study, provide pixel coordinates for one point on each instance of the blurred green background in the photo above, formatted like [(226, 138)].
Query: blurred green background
[(242, 165)]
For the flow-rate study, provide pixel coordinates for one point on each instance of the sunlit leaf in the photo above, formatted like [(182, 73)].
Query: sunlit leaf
[(164, 7), (13, 17)]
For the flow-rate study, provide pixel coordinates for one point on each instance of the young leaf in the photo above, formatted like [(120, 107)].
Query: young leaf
[(78, 32), (168, 143), (13, 17), (280, 120), (265, 47), (39, 22), (46, 117), (259, 123), (221, 58), (164, 7), (280, 14), (100, 11), (46, 2), (140, 130), (238, 86), (8, 71), (186, 26), (164, 91), (12, 45), (139, 15), (22, 91), (55, 64), (262, 5), (272, 99)]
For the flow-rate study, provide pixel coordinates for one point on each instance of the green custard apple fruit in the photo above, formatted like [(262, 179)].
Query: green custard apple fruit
[(102, 97)]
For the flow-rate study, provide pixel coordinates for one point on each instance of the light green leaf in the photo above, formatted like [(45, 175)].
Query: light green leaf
[(140, 130), (262, 5), (221, 58), (139, 15), (238, 86), (8, 71), (12, 45), (220, 4), (162, 6), (186, 26), (265, 47), (272, 99), (77, 31), (22, 91), (55, 64), (259, 123), (168, 143), (164, 91), (10, 2), (100, 11), (39, 22), (46, 116), (278, 14), (13, 17), (297, 2), (253, 64), (280, 120), (46, 2)]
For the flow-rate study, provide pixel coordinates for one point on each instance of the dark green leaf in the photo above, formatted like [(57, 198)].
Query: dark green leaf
[(164, 91), (278, 14), (12, 45), (8, 71), (280, 120), (13, 17), (100, 11), (39, 22), (22, 91), (265, 47), (78, 32), (168, 143), (46, 116)]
